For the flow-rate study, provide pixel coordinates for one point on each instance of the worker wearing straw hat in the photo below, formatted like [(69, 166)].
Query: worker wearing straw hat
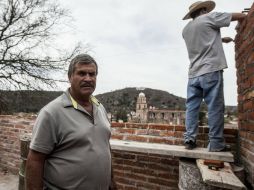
[(207, 61)]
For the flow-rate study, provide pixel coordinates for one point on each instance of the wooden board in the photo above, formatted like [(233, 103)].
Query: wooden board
[(224, 177)]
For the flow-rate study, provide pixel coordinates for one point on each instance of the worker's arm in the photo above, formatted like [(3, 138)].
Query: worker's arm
[(227, 39), (34, 170), (238, 16)]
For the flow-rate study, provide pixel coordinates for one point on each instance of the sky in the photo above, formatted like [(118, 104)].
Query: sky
[(138, 43)]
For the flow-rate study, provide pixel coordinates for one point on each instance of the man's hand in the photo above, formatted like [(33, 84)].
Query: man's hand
[(227, 39), (238, 16)]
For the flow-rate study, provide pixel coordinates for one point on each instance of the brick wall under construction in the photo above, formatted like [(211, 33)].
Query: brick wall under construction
[(244, 55), (132, 170)]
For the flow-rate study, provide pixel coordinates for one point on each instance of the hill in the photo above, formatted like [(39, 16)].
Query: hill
[(25, 100), (121, 101), (126, 98)]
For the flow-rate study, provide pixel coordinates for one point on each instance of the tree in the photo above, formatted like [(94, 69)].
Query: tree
[(28, 57), (121, 114)]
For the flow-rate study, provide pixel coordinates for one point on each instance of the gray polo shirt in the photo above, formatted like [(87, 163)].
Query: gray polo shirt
[(203, 40), (77, 145)]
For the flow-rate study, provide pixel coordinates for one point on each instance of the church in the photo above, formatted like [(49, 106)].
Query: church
[(145, 114)]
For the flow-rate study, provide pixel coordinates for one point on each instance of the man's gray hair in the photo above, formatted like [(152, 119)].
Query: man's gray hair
[(81, 59)]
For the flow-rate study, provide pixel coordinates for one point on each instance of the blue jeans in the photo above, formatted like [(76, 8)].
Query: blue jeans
[(210, 88)]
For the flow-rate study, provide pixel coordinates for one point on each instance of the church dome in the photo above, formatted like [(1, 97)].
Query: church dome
[(141, 94)]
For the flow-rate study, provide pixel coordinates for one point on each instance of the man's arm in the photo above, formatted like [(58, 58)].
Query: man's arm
[(238, 16), (34, 170)]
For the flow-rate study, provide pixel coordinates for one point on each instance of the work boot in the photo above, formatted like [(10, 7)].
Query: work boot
[(190, 145), (227, 148)]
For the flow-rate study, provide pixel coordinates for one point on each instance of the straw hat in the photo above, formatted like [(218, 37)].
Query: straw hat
[(209, 5)]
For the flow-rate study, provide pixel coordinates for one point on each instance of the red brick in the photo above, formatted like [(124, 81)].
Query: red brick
[(243, 134), (19, 127), (163, 182), (206, 130), (134, 163), (250, 63), (128, 156), (154, 132), (250, 137), (132, 187), (172, 162), (119, 186), (180, 128), (25, 123), (250, 115), (239, 98), (159, 167), (246, 85), (202, 137), (167, 176), (248, 145), (123, 180), (125, 131), (136, 125), (141, 131), (160, 140), (230, 139), (135, 176), (230, 131), (178, 134), (160, 127), (117, 125), (118, 161), (251, 78), (247, 126), (148, 186), (4, 121), (148, 158), (118, 173), (14, 130), (167, 133), (117, 136), (178, 142), (137, 138)]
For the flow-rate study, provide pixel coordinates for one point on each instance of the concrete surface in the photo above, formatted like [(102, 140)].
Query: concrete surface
[(8, 181), (171, 150)]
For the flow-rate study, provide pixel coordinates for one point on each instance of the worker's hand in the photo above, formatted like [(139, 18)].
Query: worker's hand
[(227, 40)]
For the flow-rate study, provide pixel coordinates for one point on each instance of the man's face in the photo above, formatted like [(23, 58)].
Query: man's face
[(83, 80)]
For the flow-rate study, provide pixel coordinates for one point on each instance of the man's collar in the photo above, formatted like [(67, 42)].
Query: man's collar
[(74, 103), (68, 100)]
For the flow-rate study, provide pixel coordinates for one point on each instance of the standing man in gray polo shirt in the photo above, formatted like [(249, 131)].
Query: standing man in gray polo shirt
[(207, 61), (70, 145)]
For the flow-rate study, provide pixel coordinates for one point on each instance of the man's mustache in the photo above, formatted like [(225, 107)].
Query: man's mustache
[(86, 84)]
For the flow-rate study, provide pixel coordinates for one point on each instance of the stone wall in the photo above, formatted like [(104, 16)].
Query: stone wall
[(244, 49)]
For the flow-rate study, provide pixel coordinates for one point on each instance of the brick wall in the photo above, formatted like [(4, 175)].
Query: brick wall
[(166, 134), (132, 170), (244, 49), (136, 171), (11, 127)]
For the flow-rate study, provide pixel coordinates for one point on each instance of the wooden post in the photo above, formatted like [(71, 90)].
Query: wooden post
[(24, 149)]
